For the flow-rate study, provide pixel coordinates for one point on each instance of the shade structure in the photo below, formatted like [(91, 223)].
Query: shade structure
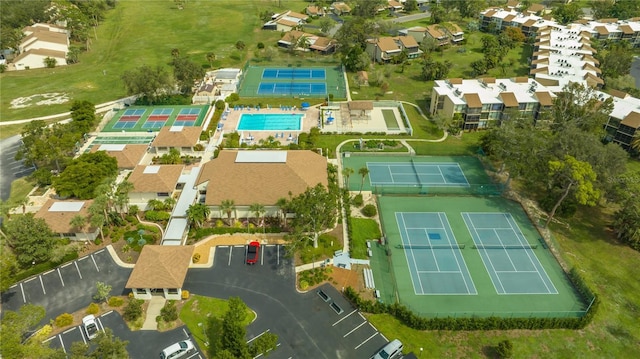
[(305, 105)]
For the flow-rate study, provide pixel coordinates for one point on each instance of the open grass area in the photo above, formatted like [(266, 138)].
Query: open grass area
[(131, 36), (467, 144), (20, 188), (362, 229), (197, 309)]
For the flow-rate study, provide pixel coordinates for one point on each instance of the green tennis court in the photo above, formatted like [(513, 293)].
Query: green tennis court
[(152, 118), (433, 241)]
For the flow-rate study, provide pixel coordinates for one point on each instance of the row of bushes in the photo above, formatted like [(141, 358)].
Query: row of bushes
[(410, 319), (220, 106), (204, 232)]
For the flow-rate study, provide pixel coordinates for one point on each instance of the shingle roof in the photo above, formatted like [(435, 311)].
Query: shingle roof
[(161, 267), (188, 136), (509, 99), (602, 30), (128, 157), (41, 52), (162, 178), (387, 44), (544, 98), (435, 32), (632, 120), (473, 100), (247, 183), (58, 221)]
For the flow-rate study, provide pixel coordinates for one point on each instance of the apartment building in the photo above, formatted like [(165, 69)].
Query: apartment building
[(624, 120)]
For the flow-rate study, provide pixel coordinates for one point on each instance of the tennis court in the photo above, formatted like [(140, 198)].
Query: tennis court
[(129, 119), (294, 73), (294, 81), (416, 173), (508, 257), (433, 256), (144, 119), (125, 140), (442, 257), (292, 88)]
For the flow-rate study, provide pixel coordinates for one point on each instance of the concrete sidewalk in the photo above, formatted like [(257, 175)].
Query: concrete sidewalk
[(153, 311)]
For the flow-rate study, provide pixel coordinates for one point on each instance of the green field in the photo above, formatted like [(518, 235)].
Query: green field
[(132, 35)]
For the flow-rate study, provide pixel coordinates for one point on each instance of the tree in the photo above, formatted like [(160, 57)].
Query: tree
[(615, 59), (258, 210), (84, 174), (83, 116), (366, 8), (435, 70), (580, 106), (635, 143), (572, 176), (198, 214), (211, 57), (282, 204), (346, 173), (8, 267), (169, 203), (410, 5), (102, 292), (30, 238), (438, 13), (47, 147), (173, 157), (234, 333), (155, 205), (16, 327), (566, 13), (515, 34), (186, 72), (228, 206), (109, 346), (325, 25), (470, 8), (364, 172), (122, 196), (315, 209), (627, 223), (78, 223), (428, 45), (151, 83), (479, 67)]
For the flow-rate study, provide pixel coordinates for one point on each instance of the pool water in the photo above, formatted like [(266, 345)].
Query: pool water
[(270, 122)]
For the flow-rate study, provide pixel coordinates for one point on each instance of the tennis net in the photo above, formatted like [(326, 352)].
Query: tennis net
[(415, 170), (434, 246), (509, 246)]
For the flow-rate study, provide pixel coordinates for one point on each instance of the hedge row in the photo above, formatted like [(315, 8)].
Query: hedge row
[(410, 319), (203, 232)]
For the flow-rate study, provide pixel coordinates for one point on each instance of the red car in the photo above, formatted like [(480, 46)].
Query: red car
[(253, 252)]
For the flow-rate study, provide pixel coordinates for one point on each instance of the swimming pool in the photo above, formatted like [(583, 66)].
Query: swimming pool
[(270, 122)]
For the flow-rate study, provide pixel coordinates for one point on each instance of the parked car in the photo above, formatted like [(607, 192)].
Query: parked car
[(177, 350), (90, 326), (390, 351), (253, 252)]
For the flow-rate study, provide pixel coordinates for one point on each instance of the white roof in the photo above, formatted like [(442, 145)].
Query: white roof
[(66, 206), (175, 230), (151, 170), (112, 147), (490, 93), (176, 128), (261, 157)]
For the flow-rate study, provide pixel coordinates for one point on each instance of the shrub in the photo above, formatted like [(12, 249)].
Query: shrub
[(196, 258), (93, 308), (133, 310), (169, 312), (505, 349), (185, 294), (304, 284), (234, 97), (369, 210), (64, 320), (157, 216), (97, 241), (357, 200), (198, 147), (220, 105), (132, 219), (116, 301), (44, 333)]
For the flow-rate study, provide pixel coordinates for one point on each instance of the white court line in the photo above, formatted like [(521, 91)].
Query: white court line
[(438, 271), (366, 340), (343, 318), (470, 227), (504, 248), (517, 271), (78, 269), (94, 263), (455, 254), (42, 284), (354, 329), (60, 275), (415, 265)]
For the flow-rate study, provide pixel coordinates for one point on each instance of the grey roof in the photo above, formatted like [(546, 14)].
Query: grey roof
[(227, 74), (261, 157), (175, 231)]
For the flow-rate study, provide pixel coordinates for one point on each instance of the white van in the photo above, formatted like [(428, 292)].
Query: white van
[(390, 351), (177, 350)]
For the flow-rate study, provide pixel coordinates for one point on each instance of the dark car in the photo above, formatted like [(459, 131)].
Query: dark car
[(253, 252)]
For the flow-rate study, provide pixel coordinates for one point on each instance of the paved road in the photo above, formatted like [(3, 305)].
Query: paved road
[(412, 17), (10, 169)]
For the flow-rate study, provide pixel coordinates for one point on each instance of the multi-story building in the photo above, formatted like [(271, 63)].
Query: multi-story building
[(481, 102), (384, 48), (624, 120)]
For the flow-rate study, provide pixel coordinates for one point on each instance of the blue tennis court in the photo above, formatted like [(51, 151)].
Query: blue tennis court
[(189, 112), (417, 174), (298, 73), (134, 112), (153, 124), (508, 257), (161, 112), (434, 257), (125, 124), (292, 88)]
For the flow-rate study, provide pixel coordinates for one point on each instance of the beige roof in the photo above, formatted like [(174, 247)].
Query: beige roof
[(611, 20), (548, 82), (128, 157), (297, 15), (473, 100), (386, 44), (588, 66), (42, 52), (529, 22), (322, 43), (47, 36), (521, 80), (58, 221), (341, 6), (435, 32), (316, 10), (513, 3), (490, 13), (618, 94), (540, 70), (187, 137), (544, 98), (161, 267), (361, 105), (626, 29), (602, 30), (508, 18), (592, 79), (287, 22), (408, 41), (535, 8), (488, 80), (161, 178), (509, 99), (632, 120), (455, 81), (540, 61), (261, 182), (591, 58)]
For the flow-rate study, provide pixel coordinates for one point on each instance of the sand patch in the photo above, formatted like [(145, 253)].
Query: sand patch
[(53, 98)]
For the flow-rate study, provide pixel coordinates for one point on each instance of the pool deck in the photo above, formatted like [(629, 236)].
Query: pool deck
[(309, 120)]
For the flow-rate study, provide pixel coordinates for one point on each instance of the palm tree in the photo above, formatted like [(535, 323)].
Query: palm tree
[(122, 196), (635, 143), (211, 57), (198, 213), (78, 222), (364, 171), (24, 202), (155, 204), (259, 211), (169, 203), (228, 206), (346, 173), (282, 206)]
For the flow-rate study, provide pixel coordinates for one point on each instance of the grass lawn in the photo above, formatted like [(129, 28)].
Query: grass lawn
[(198, 308), (20, 188), (465, 145), (362, 229)]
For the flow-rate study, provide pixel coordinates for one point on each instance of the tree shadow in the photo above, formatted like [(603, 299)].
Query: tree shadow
[(489, 351)]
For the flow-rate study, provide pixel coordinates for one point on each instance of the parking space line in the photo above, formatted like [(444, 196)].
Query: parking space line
[(230, 250), (362, 316), (48, 339), (278, 253), (366, 340), (81, 259), (354, 329), (383, 337), (258, 336), (45, 273), (22, 290), (69, 330), (262, 258), (78, 269), (42, 284), (94, 263), (185, 333), (107, 313), (343, 318), (65, 265), (100, 251), (60, 275), (261, 354), (29, 280), (62, 344), (100, 322)]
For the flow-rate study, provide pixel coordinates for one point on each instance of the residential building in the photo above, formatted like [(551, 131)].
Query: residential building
[(444, 34), (455, 33), (154, 182), (59, 214), (320, 44), (217, 84), (624, 120), (395, 5), (182, 138), (383, 49), (286, 21), (42, 41), (248, 177), (437, 33), (160, 270), (340, 8), (314, 11), (481, 102), (612, 30), (128, 156), (495, 19)]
